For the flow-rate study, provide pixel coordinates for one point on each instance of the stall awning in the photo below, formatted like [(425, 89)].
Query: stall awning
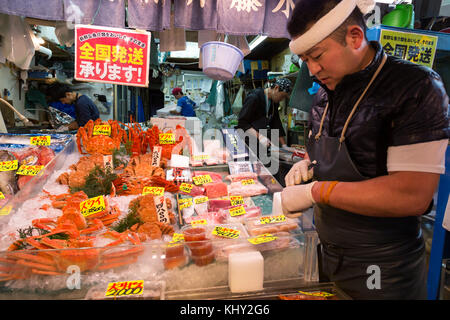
[(234, 17)]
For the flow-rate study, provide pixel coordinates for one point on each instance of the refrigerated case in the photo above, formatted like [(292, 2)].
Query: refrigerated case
[(289, 260)]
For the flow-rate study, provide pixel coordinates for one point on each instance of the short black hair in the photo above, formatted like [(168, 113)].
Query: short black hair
[(58, 91), (307, 12)]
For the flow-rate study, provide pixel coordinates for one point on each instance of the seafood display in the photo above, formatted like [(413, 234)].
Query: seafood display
[(117, 207)]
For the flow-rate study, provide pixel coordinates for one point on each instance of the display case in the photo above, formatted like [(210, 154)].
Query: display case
[(192, 261)]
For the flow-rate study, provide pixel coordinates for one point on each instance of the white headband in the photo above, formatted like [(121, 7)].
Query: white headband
[(329, 23)]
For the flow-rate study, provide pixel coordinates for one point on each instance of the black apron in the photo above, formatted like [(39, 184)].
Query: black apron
[(353, 246)]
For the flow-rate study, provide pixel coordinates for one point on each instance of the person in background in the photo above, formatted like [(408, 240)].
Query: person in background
[(185, 106), (85, 108), (378, 135), (260, 111)]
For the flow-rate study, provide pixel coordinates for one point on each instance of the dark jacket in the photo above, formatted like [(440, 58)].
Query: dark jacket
[(406, 104), (253, 113), (85, 110)]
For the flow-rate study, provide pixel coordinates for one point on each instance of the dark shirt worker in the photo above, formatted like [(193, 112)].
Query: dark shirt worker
[(85, 108)]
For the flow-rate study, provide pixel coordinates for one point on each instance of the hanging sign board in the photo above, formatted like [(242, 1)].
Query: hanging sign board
[(112, 55), (414, 47)]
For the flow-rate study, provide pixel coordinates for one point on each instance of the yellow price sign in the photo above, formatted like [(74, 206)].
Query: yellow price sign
[(199, 222), (25, 170), (263, 238), (177, 238), (186, 187), (201, 200), (156, 191), (185, 203), (166, 138), (2, 196), (102, 130), (247, 182), (40, 140), (272, 219), (201, 157), (9, 165), (92, 205), (199, 180), (236, 200), (226, 232), (317, 294), (5, 210), (125, 288), (238, 211)]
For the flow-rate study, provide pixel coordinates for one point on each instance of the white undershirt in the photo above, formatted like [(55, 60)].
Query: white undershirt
[(422, 157)]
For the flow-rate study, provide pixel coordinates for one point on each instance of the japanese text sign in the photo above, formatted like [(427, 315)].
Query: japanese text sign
[(40, 140), (125, 288), (112, 55), (92, 205), (414, 47)]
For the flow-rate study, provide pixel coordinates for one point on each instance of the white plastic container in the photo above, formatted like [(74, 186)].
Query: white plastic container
[(220, 60), (245, 271)]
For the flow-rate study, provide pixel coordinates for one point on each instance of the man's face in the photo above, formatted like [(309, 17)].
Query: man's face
[(68, 99), (178, 96), (329, 61)]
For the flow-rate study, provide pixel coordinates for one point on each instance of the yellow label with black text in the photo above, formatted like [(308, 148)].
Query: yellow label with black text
[(125, 288), (40, 140), (247, 182), (102, 130), (199, 180), (199, 222), (272, 219), (2, 196), (25, 170), (263, 238), (226, 232), (9, 165), (156, 191), (237, 211), (166, 138), (236, 200), (201, 200), (186, 187), (92, 205), (185, 203)]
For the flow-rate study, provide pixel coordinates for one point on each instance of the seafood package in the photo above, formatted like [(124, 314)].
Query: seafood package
[(246, 188), (270, 224)]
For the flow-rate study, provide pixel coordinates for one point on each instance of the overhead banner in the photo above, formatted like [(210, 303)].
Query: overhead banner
[(414, 47), (112, 55)]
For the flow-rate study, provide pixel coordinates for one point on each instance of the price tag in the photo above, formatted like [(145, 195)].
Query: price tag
[(247, 182), (40, 140), (177, 238), (199, 222), (92, 205), (236, 200), (25, 170), (186, 187), (272, 219), (156, 156), (201, 157), (185, 203), (263, 238), (9, 165), (102, 130), (226, 232), (201, 200), (2, 196), (237, 211), (161, 209), (166, 138), (317, 294), (125, 288), (5, 210), (199, 180), (156, 191)]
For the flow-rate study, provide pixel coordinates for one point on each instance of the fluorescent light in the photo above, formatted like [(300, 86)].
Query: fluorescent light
[(256, 42), (192, 51)]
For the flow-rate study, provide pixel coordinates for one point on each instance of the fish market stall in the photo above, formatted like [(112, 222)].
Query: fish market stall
[(124, 214)]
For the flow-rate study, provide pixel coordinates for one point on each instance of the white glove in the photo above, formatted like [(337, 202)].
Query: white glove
[(297, 198), (299, 173), (263, 140)]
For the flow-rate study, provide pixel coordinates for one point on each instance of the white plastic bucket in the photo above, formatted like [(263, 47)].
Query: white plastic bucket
[(220, 60)]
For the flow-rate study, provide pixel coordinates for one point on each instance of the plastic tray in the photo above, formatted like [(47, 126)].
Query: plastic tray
[(256, 226)]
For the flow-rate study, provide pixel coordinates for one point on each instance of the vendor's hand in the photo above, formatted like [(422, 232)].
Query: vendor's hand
[(299, 173), (295, 199), (264, 141)]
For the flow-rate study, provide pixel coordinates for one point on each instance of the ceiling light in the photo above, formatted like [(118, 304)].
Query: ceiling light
[(256, 42)]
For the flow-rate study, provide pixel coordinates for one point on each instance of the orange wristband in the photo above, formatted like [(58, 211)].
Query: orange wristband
[(330, 189)]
